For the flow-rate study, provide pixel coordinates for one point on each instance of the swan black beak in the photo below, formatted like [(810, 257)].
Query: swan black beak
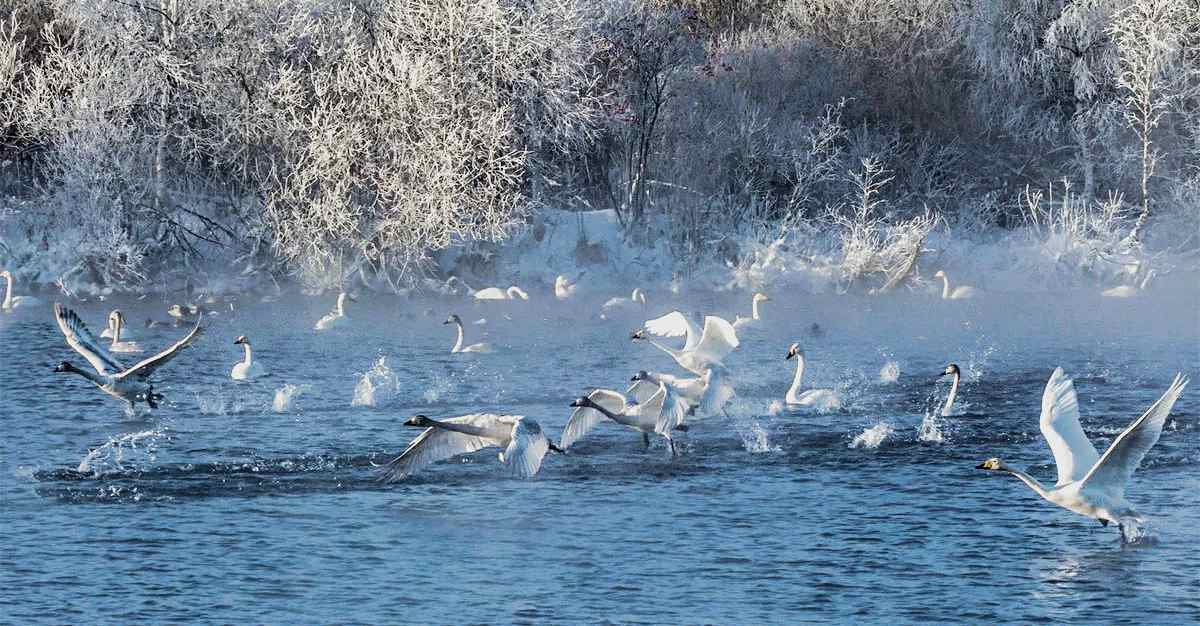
[(554, 448), (637, 334), (789, 356), (445, 322)]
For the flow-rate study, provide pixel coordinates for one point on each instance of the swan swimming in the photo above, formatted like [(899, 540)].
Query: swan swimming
[(247, 368), (564, 289), (10, 301), (458, 345), (741, 322), (706, 394), (495, 293), (129, 384), (523, 442), (661, 413), (821, 399), (961, 292), (118, 329), (1129, 291), (951, 370), (336, 319), (1089, 484), (114, 318), (618, 305), (716, 342)]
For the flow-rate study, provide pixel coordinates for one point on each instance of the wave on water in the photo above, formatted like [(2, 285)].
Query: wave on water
[(873, 437), (890, 372), (285, 397), (377, 385), (117, 451)]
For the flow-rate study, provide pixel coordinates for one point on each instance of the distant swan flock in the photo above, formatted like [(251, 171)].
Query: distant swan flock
[(656, 404)]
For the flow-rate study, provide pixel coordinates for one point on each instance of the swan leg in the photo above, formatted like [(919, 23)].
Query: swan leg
[(646, 441), (672, 444)]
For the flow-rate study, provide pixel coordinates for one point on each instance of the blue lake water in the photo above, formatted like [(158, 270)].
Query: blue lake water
[(217, 508)]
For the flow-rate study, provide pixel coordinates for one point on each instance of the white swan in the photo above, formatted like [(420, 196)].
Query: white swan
[(951, 370), (116, 317), (676, 324), (130, 384), (118, 331), (1089, 484), (1128, 291), (618, 305), (564, 289), (754, 317), (661, 413), (820, 399), (495, 293), (716, 342), (458, 345), (337, 318), (706, 395), (523, 442), (961, 292), (247, 368), (10, 301)]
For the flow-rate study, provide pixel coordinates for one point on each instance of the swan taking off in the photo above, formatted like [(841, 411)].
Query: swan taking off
[(706, 395), (1089, 484), (247, 368), (117, 320), (1128, 291), (523, 442), (961, 292), (661, 413), (746, 321), (716, 342), (129, 384), (951, 370), (10, 301), (337, 318), (676, 324), (458, 345), (496, 293), (820, 399), (619, 305)]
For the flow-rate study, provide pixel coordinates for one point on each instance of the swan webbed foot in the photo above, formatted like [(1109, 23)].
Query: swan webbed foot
[(672, 443)]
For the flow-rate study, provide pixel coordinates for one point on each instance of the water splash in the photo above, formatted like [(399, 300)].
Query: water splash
[(439, 388), (215, 403), (777, 407), (112, 455), (931, 429), (872, 437), (377, 385), (285, 397), (755, 438), (890, 372)]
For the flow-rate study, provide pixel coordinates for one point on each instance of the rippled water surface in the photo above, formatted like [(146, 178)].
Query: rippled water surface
[(256, 502)]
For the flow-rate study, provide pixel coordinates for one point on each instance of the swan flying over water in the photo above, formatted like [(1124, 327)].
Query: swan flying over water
[(661, 413), (523, 442), (247, 368), (706, 395), (716, 342), (1089, 484), (130, 384), (458, 345), (676, 324)]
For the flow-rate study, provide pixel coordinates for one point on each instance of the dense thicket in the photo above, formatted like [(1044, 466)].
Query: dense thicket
[(327, 137)]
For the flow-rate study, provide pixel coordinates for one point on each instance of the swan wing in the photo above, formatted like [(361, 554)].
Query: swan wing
[(649, 413), (146, 367), (438, 444), (673, 413), (717, 341), (1113, 470), (526, 448), (674, 324), (1074, 454), (84, 342), (585, 418), (641, 390)]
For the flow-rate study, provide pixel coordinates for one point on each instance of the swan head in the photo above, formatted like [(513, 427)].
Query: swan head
[(940, 274), (175, 310), (419, 421), (581, 401), (453, 319), (561, 281), (115, 317), (516, 292), (794, 350), (638, 334), (65, 366), (951, 370), (641, 375), (993, 464), (241, 340), (638, 296), (761, 297)]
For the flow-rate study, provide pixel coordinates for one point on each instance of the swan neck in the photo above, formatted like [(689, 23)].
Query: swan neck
[(795, 388), (1028, 480), (458, 344), (603, 411), (116, 330), (466, 429), (754, 309), (249, 356), (1145, 280), (950, 398), (88, 375), (945, 286), (341, 305), (7, 292)]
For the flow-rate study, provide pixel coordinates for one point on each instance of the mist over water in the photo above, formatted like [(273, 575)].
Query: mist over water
[(256, 501)]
